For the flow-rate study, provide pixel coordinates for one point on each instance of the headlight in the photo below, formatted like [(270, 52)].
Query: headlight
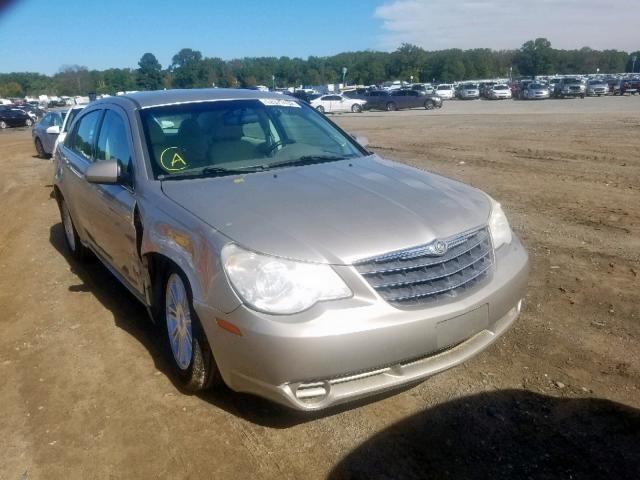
[(279, 286), (499, 226)]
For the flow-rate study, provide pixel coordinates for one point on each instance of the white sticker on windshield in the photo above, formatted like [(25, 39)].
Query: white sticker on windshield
[(279, 102)]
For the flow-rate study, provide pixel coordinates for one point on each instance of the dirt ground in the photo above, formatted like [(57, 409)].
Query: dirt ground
[(85, 390)]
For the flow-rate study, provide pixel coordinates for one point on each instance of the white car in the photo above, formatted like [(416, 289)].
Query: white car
[(68, 120), (337, 103), (499, 91), (446, 91)]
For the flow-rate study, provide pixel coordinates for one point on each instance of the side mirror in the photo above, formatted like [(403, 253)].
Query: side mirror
[(362, 141), (54, 130), (105, 171)]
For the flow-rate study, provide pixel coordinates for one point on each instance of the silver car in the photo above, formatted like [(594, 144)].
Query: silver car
[(52, 128), (597, 88), (276, 253), (46, 131), (469, 91), (536, 91)]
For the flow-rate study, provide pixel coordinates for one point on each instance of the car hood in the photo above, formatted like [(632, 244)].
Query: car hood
[(336, 212)]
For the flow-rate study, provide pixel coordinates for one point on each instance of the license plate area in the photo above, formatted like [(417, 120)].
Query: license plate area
[(457, 329)]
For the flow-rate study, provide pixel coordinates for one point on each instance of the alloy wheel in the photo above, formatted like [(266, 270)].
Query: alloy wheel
[(178, 317)]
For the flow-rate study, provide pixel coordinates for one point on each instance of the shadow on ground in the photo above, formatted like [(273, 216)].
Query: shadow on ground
[(510, 434), (130, 315)]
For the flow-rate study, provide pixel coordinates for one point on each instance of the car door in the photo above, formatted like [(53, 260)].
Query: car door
[(76, 155), (413, 99), (341, 104), (328, 103), (113, 205), (49, 139)]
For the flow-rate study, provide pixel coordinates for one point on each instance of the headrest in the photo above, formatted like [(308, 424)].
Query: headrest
[(156, 135)]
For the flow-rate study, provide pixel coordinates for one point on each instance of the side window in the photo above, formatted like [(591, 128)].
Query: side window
[(46, 121), (56, 119), (113, 143), (85, 134)]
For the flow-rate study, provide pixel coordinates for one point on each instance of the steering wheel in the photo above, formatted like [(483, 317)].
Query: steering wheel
[(271, 149)]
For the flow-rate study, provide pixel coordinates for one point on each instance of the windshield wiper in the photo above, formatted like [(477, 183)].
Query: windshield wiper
[(307, 160), (210, 172)]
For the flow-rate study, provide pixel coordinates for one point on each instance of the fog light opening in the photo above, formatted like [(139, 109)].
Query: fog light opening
[(312, 392)]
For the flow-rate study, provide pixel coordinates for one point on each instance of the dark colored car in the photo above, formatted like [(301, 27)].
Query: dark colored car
[(629, 85), (14, 117), (399, 99)]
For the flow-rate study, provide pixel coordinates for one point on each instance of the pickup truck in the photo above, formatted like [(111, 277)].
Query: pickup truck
[(570, 87)]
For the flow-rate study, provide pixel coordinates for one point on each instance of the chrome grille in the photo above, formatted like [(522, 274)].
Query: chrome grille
[(418, 275)]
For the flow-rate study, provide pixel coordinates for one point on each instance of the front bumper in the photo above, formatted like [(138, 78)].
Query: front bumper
[(344, 350), (573, 93)]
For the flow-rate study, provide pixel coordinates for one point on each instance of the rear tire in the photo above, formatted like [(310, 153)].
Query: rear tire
[(28, 122), (356, 108), (40, 149), (320, 108), (3, 124), (391, 107), (74, 245), (188, 347)]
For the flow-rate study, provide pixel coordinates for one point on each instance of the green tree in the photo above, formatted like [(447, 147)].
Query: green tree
[(189, 70), (535, 57), (11, 89), (74, 80), (149, 73)]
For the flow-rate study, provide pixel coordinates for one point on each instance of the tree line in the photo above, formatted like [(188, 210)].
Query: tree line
[(190, 69)]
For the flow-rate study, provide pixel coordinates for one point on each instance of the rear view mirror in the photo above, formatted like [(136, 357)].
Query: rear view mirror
[(54, 130), (105, 171)]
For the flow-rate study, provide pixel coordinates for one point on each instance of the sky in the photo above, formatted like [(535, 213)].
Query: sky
[(42, 36)]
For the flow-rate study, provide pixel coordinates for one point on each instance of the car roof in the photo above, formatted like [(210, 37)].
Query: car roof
[(168, 97)]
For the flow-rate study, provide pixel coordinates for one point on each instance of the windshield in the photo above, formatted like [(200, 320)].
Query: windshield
[(501, 87), (235, 136), (444, 87)]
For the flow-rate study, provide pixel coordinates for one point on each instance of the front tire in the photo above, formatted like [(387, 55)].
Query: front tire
[(391, 107), (3, 124), (356, 108), (429, 105), (187, 343), (320, 108), (28, 122)]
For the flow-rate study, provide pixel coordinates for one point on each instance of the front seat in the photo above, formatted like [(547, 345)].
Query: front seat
[(192, 142), (228, 145)]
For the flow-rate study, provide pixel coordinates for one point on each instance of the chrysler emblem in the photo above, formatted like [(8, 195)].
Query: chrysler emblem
[(439, 247)]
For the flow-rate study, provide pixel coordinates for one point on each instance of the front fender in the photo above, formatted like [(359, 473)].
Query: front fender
[(195, 250)]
